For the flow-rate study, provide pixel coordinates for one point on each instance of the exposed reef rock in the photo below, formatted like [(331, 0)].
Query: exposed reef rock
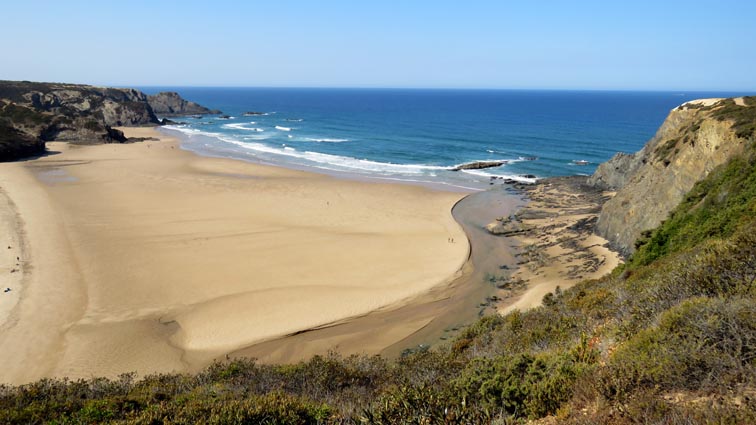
[(477, 165), (694, 139), (171, 104)]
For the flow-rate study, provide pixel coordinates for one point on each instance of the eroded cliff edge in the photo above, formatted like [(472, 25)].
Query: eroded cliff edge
[(695, 138), (32, 113), (171, 104)]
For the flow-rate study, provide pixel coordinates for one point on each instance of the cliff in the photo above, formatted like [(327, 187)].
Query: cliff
[(32, 113), (695, 138), (171, 104)]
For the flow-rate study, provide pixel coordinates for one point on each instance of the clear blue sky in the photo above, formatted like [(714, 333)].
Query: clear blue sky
[(542, 44)]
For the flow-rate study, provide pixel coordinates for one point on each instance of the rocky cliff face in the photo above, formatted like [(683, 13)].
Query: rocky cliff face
[(694, 139), (171, 104), (33, 113)]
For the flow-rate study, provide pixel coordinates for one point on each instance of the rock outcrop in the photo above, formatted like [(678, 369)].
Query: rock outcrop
[(171, 104), (695, 138), (15, 144), (478, 165), (33, 113)]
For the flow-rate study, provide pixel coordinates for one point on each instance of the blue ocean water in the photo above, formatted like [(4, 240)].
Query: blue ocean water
[(418, 135)]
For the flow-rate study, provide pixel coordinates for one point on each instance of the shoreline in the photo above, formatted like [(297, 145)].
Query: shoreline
[(125, 297), (440, 185), (435, 315), (431, 314)]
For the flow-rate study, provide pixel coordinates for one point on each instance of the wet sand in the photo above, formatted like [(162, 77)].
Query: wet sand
[(524, 244), (428, 319)]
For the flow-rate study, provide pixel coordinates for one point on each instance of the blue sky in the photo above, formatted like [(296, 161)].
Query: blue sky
[(538, 44)]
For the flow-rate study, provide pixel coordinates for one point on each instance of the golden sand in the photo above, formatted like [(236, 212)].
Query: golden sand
[(147, 258)]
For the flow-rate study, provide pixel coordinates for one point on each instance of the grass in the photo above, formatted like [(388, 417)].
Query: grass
[(743, 117)]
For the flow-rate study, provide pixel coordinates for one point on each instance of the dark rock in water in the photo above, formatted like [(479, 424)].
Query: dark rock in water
[(528, 176), (506, 226), (172, 104), (225, 117), (166, 121), (477, 165), (253, 113), (529, 158)]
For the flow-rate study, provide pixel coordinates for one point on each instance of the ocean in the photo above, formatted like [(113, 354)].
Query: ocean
[(418, 136)]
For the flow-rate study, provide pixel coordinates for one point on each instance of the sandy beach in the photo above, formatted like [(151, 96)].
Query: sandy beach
[(429, 319), (143, 257)]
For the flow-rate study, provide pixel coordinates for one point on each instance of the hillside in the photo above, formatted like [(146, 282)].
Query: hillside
[(670, 337), (34, 113)]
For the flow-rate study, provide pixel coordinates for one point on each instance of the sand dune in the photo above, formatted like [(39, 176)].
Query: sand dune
[(147, 258)]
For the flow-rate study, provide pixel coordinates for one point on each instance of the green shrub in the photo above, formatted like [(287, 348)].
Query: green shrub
[(702, 343)]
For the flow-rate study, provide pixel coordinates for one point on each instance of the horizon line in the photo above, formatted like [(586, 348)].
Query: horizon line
[(672, 90), (358, 87)]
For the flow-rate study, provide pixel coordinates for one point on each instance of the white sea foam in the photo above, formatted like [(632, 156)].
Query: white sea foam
[(325, 140), (505, 162), (242, 126), (253, 145), (278, 127), (258, 137), (343, 163), (191, 131), (515, 177)]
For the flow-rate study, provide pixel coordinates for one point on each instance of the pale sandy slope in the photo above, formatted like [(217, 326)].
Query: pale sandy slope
[(147, 258)]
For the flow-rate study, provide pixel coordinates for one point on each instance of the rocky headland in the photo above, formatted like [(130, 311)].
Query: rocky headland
[(34, 113), (695, 138), (171, 104), (573, 227)]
